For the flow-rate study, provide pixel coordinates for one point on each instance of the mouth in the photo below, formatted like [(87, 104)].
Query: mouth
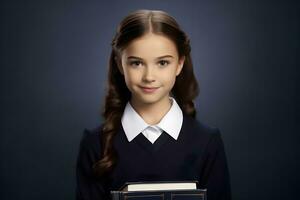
[(149, 89)]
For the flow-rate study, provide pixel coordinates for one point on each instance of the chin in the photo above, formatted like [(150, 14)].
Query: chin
[(148, 99)]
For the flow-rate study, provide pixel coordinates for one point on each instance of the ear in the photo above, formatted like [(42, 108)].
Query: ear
[(119, 64), (180, 65)]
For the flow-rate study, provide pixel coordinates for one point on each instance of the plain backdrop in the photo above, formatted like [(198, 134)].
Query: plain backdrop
[(54, 60)]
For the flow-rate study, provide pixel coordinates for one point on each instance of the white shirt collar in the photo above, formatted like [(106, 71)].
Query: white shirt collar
[(133, 124)]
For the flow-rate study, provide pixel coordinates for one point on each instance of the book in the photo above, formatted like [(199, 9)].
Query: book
[(160, 190), (148, 186)]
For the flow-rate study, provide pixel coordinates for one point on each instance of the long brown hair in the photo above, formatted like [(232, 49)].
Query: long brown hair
[(185, 89)]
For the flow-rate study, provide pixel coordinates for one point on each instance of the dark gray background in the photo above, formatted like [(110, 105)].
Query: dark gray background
[(54, 58)]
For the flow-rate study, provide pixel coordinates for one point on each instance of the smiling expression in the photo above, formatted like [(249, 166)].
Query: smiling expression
[(150, 65)]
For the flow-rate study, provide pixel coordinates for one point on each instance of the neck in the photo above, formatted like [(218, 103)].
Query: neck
[(152, 113)]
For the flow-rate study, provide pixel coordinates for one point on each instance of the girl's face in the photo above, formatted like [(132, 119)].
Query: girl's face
[(150, 62)]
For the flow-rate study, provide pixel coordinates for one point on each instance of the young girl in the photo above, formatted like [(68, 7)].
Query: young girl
[(150, 131)]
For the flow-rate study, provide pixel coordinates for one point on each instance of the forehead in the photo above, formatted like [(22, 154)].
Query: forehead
[(151, 46)]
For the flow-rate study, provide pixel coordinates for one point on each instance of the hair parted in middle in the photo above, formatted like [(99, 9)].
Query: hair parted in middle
[(185, 90)]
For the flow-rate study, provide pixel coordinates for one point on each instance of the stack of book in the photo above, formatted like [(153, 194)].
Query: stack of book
[(162, 190)]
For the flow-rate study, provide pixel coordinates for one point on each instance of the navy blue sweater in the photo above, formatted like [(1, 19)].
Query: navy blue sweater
[(197, 154)]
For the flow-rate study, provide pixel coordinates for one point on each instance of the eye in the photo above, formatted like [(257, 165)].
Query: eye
[(164, 62), (135, 63)]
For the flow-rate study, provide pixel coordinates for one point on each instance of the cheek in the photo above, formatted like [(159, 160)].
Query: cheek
[(169, 79), (131, 78)]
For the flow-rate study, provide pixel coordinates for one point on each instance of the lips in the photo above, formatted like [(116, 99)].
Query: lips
[(149, 89)]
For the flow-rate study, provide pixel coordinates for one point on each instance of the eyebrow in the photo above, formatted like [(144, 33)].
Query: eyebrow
[(134, 57)]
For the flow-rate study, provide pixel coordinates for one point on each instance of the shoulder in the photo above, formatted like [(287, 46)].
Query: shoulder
[(201, 132), (91, 137), (200, 128), (199, 135)]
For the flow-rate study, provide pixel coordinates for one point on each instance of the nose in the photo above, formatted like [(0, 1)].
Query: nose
[(148, 75)]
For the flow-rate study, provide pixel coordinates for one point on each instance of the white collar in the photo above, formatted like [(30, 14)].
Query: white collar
[(133, 124)]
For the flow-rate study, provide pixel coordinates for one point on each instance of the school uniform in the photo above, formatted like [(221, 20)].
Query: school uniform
[(178, 148)]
